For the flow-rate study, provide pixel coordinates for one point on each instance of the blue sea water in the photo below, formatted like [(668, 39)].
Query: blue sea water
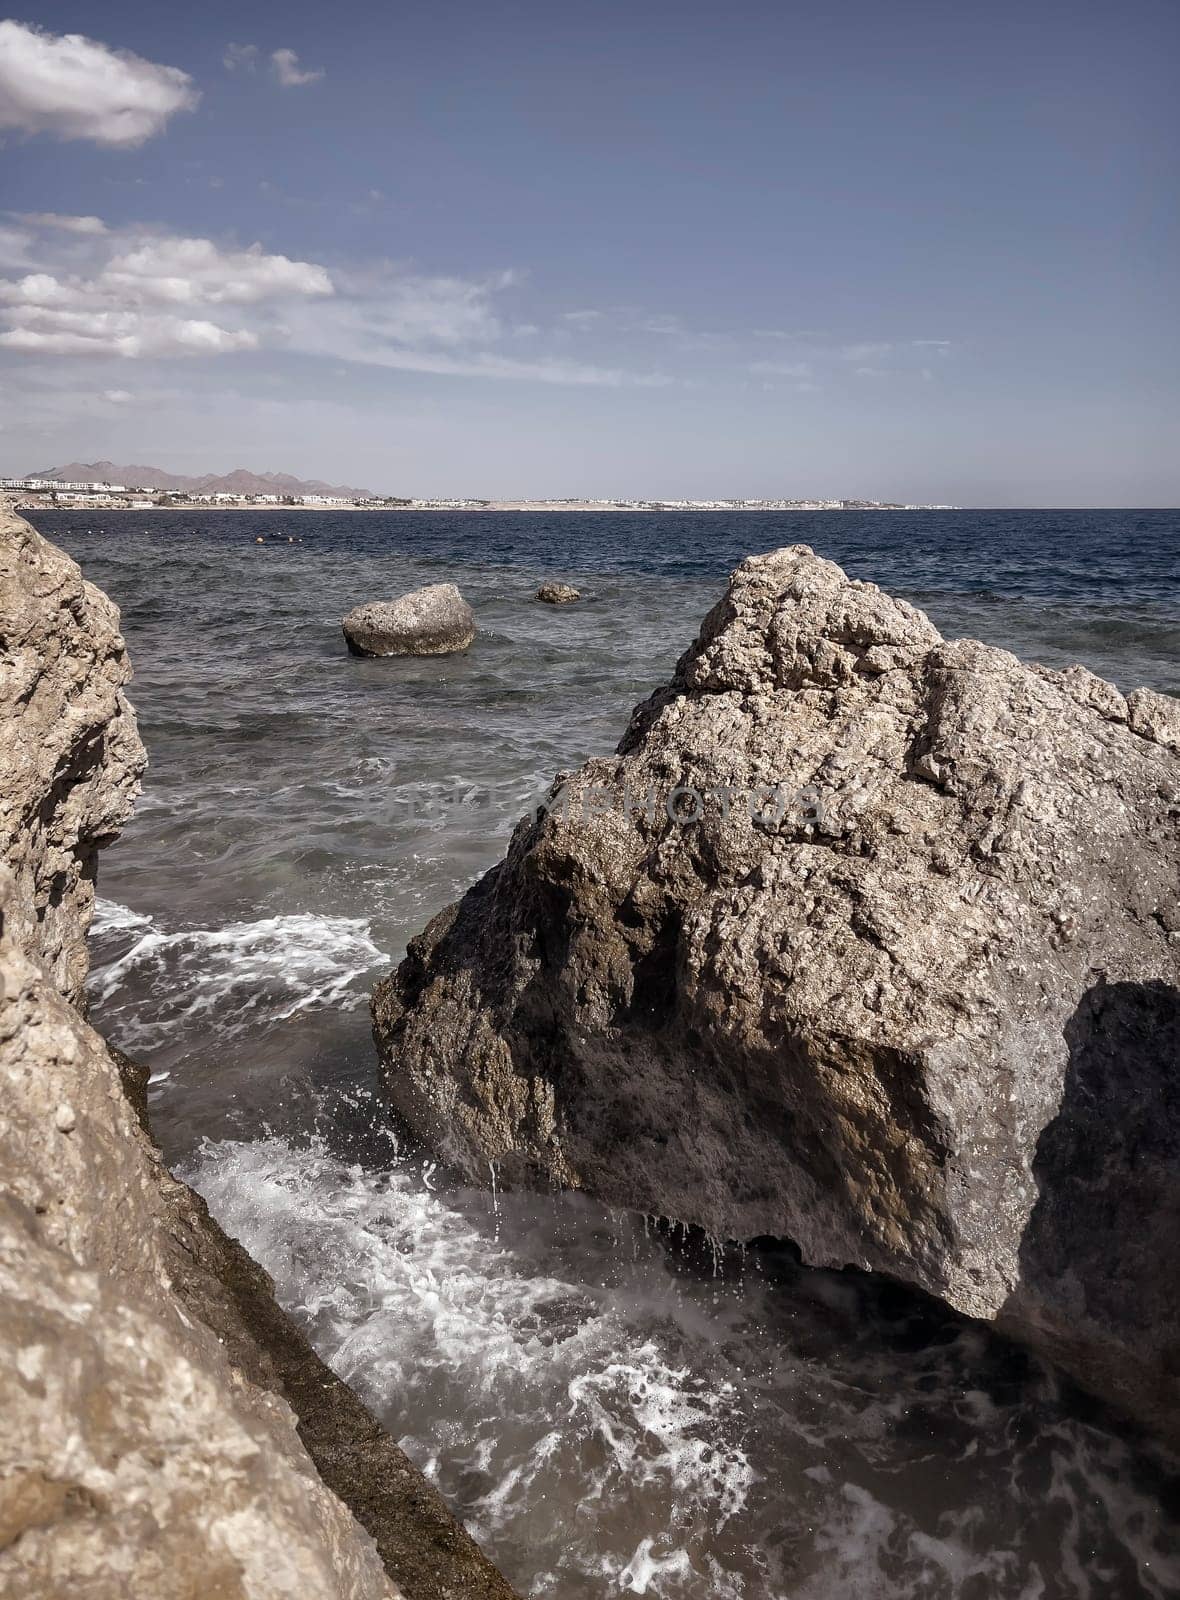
[(610, 1416)]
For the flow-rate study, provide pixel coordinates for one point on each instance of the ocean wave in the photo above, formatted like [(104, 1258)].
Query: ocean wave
[(510, 1384), (154, 986), (609, 1422)]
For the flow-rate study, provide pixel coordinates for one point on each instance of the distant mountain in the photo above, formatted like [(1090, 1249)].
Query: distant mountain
[(237, 482)]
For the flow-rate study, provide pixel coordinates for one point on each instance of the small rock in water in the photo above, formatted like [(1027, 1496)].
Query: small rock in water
[(260, 540), (434, 621), (558, 594)]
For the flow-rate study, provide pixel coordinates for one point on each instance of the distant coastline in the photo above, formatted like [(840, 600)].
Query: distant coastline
[(105, 485), (49, 500)]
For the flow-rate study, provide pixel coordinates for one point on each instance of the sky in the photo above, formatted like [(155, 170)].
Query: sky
[(906, 251)]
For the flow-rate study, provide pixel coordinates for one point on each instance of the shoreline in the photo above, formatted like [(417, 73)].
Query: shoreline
[(535, 507)]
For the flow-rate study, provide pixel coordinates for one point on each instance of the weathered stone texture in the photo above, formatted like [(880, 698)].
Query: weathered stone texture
[(157, 1409), (862, 1000), (434, 621), (72, 758)]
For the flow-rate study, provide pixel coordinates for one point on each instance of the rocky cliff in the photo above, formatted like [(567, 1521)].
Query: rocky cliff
[(72, 757), (164, 1431), (865, 938)]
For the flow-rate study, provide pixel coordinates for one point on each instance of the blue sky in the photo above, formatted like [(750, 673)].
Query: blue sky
[(901, 250)]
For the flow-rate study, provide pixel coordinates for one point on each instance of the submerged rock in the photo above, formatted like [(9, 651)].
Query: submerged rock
[(161, 1422), (863, 938), (434, 621), (558, 594)]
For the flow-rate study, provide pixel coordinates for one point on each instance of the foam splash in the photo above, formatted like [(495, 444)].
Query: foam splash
[(610, 1421), (503, 1379), (154, 985)]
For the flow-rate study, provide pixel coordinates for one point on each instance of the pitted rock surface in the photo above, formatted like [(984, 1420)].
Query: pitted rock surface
[(904, 989)]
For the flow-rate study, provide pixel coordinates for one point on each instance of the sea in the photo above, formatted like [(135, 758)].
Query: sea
[(614, 1408)]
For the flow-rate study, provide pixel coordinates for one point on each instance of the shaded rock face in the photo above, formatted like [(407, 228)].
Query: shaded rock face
[(558, 594), (844, 945), (72, 756), (435, 621), (159, 1415)]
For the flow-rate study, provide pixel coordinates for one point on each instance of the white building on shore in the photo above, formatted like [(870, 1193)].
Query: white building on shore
[(52, 486)]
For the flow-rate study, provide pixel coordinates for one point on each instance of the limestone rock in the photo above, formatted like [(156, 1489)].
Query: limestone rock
[(136, 1459), (558, 594), (159, 1415), (434, 621), (72, 755), (863, 938)]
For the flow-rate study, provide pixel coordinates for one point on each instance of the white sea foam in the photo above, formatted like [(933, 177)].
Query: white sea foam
[(110, 917), (163, 983), (609, 1424)]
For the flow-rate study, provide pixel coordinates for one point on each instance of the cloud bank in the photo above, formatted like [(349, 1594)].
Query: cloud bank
[(149, 295), (139, 293)]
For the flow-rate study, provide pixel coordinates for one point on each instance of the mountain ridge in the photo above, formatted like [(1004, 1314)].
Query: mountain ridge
[(240, 481)]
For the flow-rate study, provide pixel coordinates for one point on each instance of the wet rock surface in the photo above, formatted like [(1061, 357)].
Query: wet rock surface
[(434, 621), (558, 594), (862, 939)]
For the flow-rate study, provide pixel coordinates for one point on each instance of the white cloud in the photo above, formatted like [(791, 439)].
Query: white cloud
[(118, 397), (285, 66), (407, 308), (135, 293), (242, 56), (55, 331), (438, 325), (77, 88), (152, 297), (485, 364), (53, 219), (194, 271)]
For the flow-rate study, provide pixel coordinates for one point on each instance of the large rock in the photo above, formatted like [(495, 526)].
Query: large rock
[(435, 621), (164, 1430), (905, 990), (72, 756), (558, 594)]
